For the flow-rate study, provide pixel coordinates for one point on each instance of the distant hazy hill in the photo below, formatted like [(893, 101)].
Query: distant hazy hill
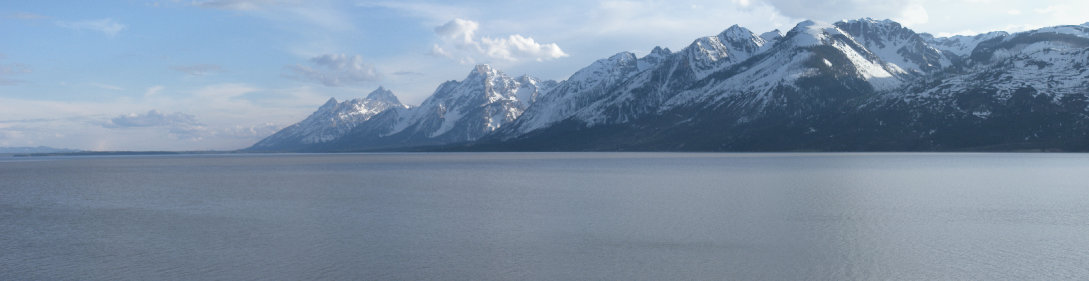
[(39, 149)]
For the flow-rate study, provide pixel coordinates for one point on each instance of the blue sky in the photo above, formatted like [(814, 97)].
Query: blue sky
[(221, 74)]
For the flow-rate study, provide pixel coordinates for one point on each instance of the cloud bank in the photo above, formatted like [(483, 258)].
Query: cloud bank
[(179, 125)]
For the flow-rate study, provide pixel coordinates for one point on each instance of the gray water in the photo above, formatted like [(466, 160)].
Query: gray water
[(581, 216)]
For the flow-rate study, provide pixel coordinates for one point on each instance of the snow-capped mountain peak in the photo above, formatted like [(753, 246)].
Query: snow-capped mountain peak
[(771, 36), (810, 33), (736, 33), (466, 110), (484, 70), (660, 52), (383, 95), (709, 54), (902, 50), (331, 121)]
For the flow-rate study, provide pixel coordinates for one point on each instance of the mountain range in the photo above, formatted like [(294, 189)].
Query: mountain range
[(858, 85)]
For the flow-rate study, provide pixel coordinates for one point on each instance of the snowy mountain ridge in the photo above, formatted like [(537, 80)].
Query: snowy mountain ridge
[(850, 85), (333, 120), (457, 111)]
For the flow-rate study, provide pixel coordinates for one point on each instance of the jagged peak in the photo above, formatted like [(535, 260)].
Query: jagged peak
[(332, 102), (622, 56), (658, 50), (384, 95), (771, 35), (883, 28), (869, 20), (736, 33), (485, 70)]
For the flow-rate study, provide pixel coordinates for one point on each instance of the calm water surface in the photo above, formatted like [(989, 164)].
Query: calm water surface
[(583, 216)]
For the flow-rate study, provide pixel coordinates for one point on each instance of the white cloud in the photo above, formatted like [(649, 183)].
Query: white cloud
[(458, 30), (335, 70), (459, 41), (107, 26), (913, 15), (517, 47)]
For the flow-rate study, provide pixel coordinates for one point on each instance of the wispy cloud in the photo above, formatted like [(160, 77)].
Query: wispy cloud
[(408, 73), (8, 70), (249, 132), (432, 12), (186, 127), (198, 69), (323, 14), (25, 16), (152, 118), (107, 86), (153, 90), (335, 70), (243, 5), (107, 26), (459, 41)]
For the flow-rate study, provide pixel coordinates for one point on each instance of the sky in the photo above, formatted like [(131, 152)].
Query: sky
[(222, 74)]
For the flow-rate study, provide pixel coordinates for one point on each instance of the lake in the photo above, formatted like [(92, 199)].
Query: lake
[(546, 216)]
